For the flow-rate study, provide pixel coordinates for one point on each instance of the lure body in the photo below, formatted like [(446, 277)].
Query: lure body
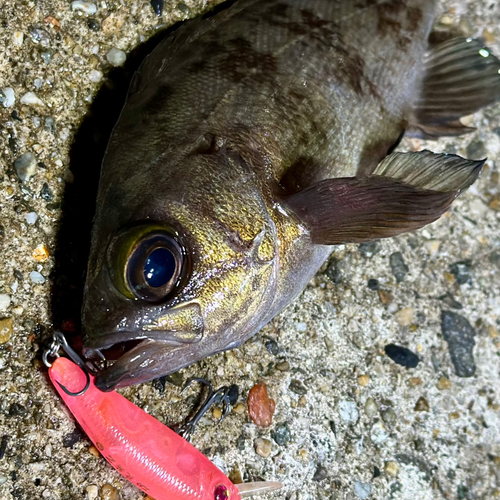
[(142, 449)]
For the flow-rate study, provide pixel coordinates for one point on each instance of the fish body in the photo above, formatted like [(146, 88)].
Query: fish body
[(252, 141)]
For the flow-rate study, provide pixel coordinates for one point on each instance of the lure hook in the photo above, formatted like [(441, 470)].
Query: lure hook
[(59, 342), (225, 395)]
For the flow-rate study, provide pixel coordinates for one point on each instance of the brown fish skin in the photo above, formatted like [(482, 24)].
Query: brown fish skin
[(225, 121)]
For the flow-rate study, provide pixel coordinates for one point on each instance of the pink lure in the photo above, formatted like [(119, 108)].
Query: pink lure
[(142, 449)]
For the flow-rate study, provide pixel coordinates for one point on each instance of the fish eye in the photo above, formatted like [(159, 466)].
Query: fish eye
[(154, 266), (147, 262), (221, 492)]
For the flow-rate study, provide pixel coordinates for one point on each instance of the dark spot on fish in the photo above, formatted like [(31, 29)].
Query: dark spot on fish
[(99, 446)]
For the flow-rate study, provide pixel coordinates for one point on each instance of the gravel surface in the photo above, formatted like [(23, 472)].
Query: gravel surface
[(350, 422)]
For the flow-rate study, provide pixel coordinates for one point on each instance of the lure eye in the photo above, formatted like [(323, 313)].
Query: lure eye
[(221, 492), (154, 266)]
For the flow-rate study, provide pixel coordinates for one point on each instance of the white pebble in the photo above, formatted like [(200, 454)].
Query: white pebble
[(301, 327), (362, 490), (348, 411), (3, 479), (378, 433), (95, 75), (31, 98), (86, 7), (92, 492), (31, 218), (18, 38), (25, 166), (36, 277), (4, 301), (116, 57), (10, 98), (14, 286)]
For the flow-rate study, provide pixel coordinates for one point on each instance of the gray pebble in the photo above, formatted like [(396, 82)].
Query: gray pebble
[(348, 411), (46, 193), (263, 447), (281, 434), (272, 347), (462, 271), (25, 166), (8, 98), (40, 35), (46, 57), (362, 490), (37, 278), (320, 474), (459, 334), (369, 249), (334, 270), (476, 150), (298, 387), (85, 7), (398, 266), (116, 57)]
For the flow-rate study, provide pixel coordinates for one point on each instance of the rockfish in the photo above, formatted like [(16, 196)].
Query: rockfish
[(251, 141)]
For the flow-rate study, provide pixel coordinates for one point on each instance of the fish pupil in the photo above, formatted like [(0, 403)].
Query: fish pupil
[(221, 493), (159, 267)]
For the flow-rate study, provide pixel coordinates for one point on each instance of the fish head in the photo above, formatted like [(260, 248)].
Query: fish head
[(179, 274)]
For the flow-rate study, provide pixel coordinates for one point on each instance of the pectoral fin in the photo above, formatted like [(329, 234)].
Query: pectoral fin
[(462, 76), (406, 192)]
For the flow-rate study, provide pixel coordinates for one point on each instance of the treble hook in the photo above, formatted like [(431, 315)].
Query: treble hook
[(59, 342), (225, 395)]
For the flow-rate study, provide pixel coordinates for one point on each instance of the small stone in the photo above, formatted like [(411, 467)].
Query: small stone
[(53, 21), (388, 416), (415, 381), (391, 468), (371, 408), (94, 451), (216, 413), (443, 383), (5, 330), (373, 284), (459, 334), (116, 57), (422, 404), (260, 406), (46, 56), (378, 433), (462, 271), (272, 347), (476, 150), (85, 7), (298, 387), (363, 380), (283, 366), (450, 301), (362, 490), (7, 97), (348, 411), (334, 270), (94, 25), (37, 278), (402, 356), (4, 301), (405, 316), (281, 434), (69, 440), (454, 415), (432, 246), (320, 474), (239, 409), (95, 75), (158, 6), (263, 447), (109, 492), (31, 218), (46, 193), (369, 249), (40, 36), (18, 38), (92, 492), (385, 296), (114, 22), (25, 167), (31, 98), (398, 266)]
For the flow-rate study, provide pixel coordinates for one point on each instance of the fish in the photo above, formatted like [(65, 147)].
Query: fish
[(252, 141), (143, 450)]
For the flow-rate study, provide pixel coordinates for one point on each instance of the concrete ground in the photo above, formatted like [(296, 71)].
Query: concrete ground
[(350, 423)]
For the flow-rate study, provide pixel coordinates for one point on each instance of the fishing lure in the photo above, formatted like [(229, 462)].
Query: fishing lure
[(149, 454)]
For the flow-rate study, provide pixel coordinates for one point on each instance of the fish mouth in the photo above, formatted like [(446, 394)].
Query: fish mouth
[(138, 360)]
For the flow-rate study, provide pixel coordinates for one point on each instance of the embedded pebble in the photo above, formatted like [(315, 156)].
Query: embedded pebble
[(369, 249), (362, 490), (334, 270), (40, 35), (260, 406), (443, 383), (459, 334), (36, 277), (46, 57), (363, 380), (31, 217), (272, 347), (46, 193), (281, 434), (422, 404), (320, 474), (25, 166), (450, 301), (348, 411), (297, 387), (263, 447), (398, 266), (239, 409), (95, 75), (109, 492), (158, 6), (378, 433), (385, 296), (5, 330), (7, 97), (85, 7), (4, 301), (3, 479), (92, 492), (432, 246), (31, 98), (462, 271), (405, 316), (18, 38), (391, 468), (402, 356), (371, 408), (116, 57), (373, 284)]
